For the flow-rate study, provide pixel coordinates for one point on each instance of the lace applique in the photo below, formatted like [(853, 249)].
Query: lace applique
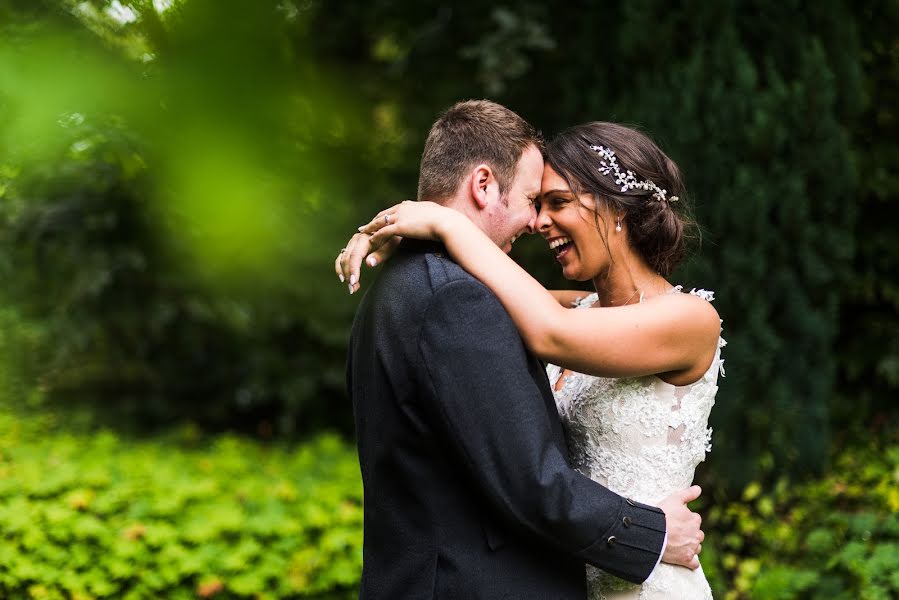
[(642, 438)]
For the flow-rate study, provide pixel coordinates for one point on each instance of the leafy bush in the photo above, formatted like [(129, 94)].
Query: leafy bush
[(119, 324), (172, 271), (836, 537), (177, 517), (184, 515)]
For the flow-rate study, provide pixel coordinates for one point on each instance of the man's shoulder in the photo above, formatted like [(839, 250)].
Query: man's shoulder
[(443, 271), (432, 272)]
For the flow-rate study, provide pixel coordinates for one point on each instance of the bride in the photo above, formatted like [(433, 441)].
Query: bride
[(634, 365)]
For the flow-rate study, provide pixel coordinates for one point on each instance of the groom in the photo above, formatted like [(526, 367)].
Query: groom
[(468, 493)]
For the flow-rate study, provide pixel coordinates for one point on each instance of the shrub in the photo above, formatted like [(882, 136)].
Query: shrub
[(834, 537), (185, 515), (120, 324), (174, 271), (175, 517)]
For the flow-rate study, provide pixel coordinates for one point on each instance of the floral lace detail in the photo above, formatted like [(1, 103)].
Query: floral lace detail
[(642, 438)]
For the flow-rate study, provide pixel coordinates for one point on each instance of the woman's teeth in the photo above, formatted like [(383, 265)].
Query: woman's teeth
[(558, 245)]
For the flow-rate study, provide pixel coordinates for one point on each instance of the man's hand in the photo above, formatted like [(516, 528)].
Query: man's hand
[(684, 535)]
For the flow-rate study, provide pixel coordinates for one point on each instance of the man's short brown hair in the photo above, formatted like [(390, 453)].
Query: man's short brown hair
[(470, 133)]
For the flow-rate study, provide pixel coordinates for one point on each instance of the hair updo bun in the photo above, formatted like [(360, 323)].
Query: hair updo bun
[(658, 229)]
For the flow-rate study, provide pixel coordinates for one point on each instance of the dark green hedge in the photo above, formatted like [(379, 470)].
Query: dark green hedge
[(769, 108), (781, 114)]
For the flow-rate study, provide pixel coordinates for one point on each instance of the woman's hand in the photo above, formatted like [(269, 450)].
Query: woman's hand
[(348, 262), (419, 220), (377, 240)]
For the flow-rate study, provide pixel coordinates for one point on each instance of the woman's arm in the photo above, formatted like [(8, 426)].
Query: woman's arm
[(640, 339)]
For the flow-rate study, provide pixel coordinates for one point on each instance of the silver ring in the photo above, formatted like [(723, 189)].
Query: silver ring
[(387, 219)]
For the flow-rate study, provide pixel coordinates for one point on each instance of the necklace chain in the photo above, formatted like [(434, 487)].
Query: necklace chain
[(611, 303)]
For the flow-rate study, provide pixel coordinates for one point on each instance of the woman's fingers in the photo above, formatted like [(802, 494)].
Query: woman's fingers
[(337, 265), (377, 240), (384, 235), (383, 219), (356, 251), (341, 263), (384, 252), (378, 248)]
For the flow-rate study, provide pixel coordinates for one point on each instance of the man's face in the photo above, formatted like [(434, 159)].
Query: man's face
[(517, 215)]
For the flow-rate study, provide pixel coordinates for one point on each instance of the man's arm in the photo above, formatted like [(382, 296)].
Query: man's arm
[(476, 374)]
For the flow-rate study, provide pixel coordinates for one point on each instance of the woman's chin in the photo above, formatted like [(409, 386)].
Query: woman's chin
[(570, 273)]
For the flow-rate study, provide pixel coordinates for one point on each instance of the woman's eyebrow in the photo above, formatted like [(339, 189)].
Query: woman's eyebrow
[(560, 192)]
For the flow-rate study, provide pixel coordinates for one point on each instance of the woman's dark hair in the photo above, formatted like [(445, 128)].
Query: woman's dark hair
[(657, 230)]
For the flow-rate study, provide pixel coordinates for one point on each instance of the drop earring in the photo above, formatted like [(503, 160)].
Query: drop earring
[(618, 226)]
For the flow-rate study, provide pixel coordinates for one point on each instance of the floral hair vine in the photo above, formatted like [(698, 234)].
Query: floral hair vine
[(628, 180)]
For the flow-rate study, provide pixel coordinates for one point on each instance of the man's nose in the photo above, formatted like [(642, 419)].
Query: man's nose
[(531, 222)]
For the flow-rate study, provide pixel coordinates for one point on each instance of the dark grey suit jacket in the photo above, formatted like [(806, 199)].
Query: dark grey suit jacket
[(468, 492)]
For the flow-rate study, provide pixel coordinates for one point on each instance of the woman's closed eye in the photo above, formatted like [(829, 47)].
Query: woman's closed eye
[(552, 202)]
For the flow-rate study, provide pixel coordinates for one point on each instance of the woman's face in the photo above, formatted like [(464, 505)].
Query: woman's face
[(568, 223)]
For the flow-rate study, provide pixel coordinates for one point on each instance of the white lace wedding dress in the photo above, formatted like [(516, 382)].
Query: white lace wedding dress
[(642, 438)]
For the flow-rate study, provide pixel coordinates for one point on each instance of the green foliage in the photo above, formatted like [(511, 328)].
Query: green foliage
[(769, 112), (184, 515), (118, 322), (97, 516), (163, 204), (172, 204), (834, 537), (869, 340)]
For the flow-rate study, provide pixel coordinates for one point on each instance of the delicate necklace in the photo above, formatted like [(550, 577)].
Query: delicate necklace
[(612, 303)]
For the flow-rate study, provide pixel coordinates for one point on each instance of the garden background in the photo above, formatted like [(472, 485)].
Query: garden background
[(176, 177)]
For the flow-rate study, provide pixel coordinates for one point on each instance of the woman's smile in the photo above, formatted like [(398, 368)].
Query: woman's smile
[(561, 246)]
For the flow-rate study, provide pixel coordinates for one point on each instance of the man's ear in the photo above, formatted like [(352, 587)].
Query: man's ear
[(483, 185)]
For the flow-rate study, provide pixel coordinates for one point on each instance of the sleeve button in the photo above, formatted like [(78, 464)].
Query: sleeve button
[(611, 541), (626, 521)]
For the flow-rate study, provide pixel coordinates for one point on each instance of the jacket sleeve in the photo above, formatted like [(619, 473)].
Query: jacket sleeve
[(475, 372)]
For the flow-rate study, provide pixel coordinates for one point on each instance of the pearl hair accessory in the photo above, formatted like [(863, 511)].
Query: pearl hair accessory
[(628, 180)]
